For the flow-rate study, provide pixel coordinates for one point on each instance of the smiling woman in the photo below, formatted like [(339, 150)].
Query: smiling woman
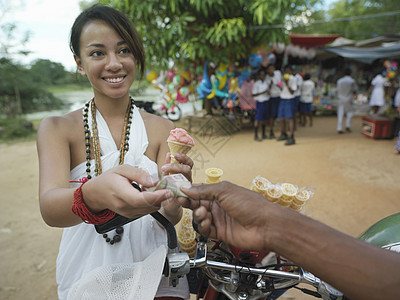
[(89, 157)]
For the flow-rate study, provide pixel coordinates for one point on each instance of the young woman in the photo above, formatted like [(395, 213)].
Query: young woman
[(89, 157)]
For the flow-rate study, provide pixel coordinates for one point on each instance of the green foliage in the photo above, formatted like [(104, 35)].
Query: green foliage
[(23, 90), (346, 19), (190, 32), (47, 72), (13, 129)]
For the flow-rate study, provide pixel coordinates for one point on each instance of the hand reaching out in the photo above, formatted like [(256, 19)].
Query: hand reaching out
[(230, 213)]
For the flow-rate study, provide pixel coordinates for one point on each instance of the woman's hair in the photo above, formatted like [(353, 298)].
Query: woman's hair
[(118, 21)]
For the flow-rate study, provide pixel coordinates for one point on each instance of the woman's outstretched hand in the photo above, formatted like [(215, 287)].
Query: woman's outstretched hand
[(113, 190)]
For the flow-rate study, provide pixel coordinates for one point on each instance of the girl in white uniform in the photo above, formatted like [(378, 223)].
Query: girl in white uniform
[(378, 93)]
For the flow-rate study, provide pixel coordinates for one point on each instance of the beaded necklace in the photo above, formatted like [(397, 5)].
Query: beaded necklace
[(124, 147)]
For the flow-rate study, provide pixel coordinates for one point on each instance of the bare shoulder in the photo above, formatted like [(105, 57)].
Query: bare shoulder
[(157, 129), (61, 124), (61, 131), (157, 126)]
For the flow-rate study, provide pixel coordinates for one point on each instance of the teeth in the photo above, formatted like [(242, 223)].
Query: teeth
[(114, 80)]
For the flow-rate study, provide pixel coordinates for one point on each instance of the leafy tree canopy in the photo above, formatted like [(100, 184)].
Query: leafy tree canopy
[(192, 31), (356, 19)]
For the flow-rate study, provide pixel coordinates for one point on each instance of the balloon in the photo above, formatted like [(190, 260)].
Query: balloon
[(386, 63), (394, 65), (177, 80), (170, 74), (255, 60), (185, 75), (286, 76), (171, 87), (151, 75), (391, 74), (184, 91)]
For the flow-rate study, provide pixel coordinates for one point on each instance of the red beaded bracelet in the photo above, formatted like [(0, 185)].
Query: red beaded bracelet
[(79, 208)]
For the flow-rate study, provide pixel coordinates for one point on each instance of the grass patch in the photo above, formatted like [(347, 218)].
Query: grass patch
[(17, 130)]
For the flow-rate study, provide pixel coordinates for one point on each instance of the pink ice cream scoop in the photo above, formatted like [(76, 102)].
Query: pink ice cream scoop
[(180, 135)]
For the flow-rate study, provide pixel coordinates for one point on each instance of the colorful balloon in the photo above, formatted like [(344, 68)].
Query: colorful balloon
[(255, 60), (391, 74), (151, 75)]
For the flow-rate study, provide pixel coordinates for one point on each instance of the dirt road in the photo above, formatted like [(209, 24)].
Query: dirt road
[(355, 180)]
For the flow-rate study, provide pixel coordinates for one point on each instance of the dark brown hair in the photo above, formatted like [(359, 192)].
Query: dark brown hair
[(118, 21)]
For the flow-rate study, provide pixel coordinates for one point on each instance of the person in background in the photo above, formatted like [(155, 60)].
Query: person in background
[(377, 90), (285, 112), (297, 94), (260, 94), (346, 88), (306, 99), (246, 220), (397, 106), (274, 79), (89, 157)]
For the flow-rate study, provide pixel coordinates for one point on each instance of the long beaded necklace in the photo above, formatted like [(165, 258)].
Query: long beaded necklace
[(124, 147)]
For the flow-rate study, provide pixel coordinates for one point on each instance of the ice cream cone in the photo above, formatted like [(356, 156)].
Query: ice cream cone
[(213, 175), (178, 147), (260, 185), (289, 192), (186, 233), (301, 197), (274, 192)]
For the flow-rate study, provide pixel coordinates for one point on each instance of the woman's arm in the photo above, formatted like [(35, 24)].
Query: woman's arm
[(55, 195), (111, 190)]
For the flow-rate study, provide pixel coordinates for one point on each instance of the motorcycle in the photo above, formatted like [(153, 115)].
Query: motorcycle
[(226, 272)]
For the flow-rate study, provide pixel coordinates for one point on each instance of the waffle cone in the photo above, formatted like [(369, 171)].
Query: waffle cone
[(260, 185), (273, 193), (178, 147), (301, 197), (213, 175)]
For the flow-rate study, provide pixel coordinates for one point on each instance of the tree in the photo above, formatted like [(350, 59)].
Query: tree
[(357, 19), (192, 31), (48, 72)]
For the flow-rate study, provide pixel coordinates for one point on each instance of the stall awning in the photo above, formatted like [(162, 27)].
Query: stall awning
[(310, 40), (366, 55)]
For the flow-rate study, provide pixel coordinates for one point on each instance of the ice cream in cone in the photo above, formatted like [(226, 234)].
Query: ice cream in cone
[(213, 175), (179, 141)]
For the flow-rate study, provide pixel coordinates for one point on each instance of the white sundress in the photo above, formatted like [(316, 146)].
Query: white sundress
[(82, 249)]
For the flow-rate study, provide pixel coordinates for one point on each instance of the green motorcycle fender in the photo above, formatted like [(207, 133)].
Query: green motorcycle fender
[(385, 233)]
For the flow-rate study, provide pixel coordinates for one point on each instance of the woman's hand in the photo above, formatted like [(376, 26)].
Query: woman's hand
[(184, 167), (113, 190), (171, 208)]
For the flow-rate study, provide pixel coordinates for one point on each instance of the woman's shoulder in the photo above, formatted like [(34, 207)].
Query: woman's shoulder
[(156, 125), (61, 124)]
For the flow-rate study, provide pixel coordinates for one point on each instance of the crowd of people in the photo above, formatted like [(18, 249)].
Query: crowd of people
[(284, 97), (289, 96)]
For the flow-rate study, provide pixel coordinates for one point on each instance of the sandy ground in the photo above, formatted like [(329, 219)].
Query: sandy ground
[(355, 179)]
